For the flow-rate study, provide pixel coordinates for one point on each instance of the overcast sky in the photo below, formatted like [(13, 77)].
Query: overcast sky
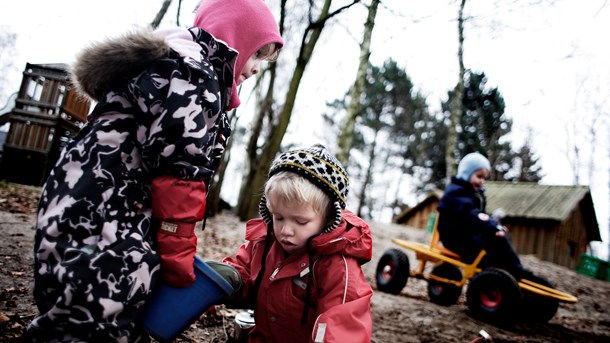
[(549, 62)]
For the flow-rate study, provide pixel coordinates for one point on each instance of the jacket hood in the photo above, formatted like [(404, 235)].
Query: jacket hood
[(245, 25), (103, 63), (351, 238)]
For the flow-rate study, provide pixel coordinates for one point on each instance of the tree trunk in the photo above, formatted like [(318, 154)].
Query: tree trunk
[(456, 103), (213, 198), (346, 137), (247, 198), (368, 177), (178, 12), (155, 23), (277, 132)]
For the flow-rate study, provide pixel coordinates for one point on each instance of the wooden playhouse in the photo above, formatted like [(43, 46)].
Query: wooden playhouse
[(553, 222), (47, 114)]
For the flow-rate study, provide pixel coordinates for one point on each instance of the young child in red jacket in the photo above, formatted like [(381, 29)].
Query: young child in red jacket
[(301, 265), (118, 212)]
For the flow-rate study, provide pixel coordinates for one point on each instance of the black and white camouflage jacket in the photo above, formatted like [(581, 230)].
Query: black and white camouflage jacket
[(161, 98)]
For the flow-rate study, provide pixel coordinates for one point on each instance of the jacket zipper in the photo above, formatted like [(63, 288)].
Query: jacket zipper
[(277, 269)]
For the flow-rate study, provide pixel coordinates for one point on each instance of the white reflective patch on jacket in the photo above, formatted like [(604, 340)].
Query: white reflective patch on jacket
[(320, 333)]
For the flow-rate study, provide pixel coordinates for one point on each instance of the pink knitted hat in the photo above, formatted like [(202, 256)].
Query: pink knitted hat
[(245, 25)]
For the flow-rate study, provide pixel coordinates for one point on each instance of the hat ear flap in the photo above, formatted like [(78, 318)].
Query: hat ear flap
[(337, 218), (263, 210)]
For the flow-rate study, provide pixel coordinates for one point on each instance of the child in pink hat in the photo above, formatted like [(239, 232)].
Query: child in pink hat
[(118, 212)]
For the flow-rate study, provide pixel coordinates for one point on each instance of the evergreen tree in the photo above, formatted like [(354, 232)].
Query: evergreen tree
[(483, 126), (526, 165), (393, 128)]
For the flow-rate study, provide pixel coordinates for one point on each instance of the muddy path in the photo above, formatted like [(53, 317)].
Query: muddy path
[(407, 317)]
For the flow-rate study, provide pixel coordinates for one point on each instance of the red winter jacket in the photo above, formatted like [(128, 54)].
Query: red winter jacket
[(340, 295)]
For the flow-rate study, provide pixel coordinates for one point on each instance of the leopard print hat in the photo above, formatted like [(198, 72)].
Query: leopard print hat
[(319, 167)]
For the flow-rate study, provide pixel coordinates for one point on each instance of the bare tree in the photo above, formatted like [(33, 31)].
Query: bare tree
[(346, 137), (247, 208), (456, 104), (264, 115), (162, 11), (178, 12), (213, 197), (7, 48), (368, 176), (581, 131)]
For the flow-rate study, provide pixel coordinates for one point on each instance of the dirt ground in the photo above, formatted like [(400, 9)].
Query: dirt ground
[(408, 317)]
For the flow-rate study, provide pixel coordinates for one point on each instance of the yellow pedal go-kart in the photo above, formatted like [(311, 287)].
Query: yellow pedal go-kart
[(492, 295)]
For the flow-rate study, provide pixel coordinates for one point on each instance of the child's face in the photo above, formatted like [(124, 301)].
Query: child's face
[(294, 224), (477, 179), (253, 65)]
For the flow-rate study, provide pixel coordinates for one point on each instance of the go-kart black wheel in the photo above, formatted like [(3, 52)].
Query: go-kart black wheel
[(536, 307), (493, 295), (443, 293), (392, 271)]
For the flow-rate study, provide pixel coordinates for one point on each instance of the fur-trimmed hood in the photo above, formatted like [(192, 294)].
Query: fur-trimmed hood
[(104, 63), (102, 66)]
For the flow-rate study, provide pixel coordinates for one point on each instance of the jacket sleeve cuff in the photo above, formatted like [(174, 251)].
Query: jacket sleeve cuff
[(177, 229)]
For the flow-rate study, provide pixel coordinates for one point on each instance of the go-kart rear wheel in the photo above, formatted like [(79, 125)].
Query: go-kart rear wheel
[(493, 295), (392, 271), (443, 293), (538, 308)]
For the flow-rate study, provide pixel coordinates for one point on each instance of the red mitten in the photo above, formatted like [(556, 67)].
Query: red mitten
[(178, 204)]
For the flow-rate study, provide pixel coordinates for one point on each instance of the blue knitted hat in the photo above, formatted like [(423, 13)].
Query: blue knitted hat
[(471, 163)]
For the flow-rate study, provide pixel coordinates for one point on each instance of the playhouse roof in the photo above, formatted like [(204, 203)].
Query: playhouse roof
[(531, 201)]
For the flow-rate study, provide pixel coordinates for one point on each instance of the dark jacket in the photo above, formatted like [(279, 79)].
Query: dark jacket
[(460, 228), (161, 98)]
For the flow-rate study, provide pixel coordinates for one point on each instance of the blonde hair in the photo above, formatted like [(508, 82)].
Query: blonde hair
[(289, 187)]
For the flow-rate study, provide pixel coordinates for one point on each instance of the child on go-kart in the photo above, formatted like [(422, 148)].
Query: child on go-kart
[(466, 229)]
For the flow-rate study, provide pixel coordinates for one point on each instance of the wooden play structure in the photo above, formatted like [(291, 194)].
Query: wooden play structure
[(47, 114)]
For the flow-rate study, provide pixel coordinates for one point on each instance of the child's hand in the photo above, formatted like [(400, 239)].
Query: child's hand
[(228, 272), (484, 216), (231, 275), (501, 231)]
